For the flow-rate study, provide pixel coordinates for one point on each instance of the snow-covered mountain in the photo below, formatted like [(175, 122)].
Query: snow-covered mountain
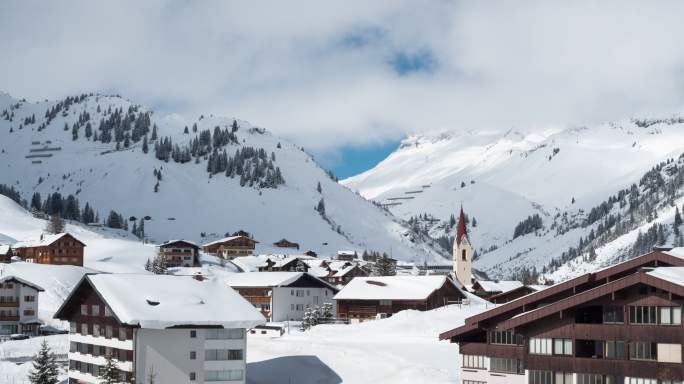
[(503, 178), (199, 179)]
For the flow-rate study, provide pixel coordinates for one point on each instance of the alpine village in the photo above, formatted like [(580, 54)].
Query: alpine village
[(402, 192)]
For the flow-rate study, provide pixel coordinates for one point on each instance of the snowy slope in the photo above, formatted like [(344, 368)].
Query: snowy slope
[(189, 202), (502, 178)]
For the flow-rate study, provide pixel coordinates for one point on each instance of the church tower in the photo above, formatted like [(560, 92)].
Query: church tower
[(463, 253)]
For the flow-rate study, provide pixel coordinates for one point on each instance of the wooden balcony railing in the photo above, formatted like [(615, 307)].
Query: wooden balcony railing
[(9, 304), (9, 318)]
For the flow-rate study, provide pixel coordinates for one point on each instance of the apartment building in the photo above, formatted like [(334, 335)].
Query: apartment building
[(18, 306), (160, 328), (179, 253), (619, 325)]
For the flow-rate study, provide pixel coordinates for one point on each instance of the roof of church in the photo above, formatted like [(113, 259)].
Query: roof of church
[(461, 231)]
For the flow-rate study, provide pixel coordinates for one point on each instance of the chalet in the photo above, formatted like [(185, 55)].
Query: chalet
[(59, 249), (366, 298), (176, 329), (18, 306), (5, 253), (311, 253), (283, 263), (344, 275), (284, 243), (282, 296), (347, 255), (231, 247), (179, 253), (487, 288), (618, 325)]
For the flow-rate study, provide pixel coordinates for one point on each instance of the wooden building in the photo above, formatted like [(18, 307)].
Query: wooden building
[(5, 253), (282, 296), (231, 247), (619, 325), (145, 324), (284, 243), (488, 288), (179, 253), (284, 263), (367, 298), (347, 255), (344, 275), (513, 294), (59, 249)]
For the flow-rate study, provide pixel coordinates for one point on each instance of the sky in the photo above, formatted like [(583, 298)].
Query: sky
[(347, 80)]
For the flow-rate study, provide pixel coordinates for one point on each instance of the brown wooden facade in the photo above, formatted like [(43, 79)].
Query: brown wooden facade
[(505, 297), (284, 243), (231, 247), (591, 313), (370, 309), (66, 250), (292, 265), (88, 315), (178, 253), (356, 271)]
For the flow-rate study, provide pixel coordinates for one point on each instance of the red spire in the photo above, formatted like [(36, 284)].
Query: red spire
[(461, 228)]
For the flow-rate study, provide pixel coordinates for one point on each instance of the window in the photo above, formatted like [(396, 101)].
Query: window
[(614, 349), (223, 354), (109, 332), (562, 347), (232, 333), (613, 314), (299, 307), (29, 299), (563, 378), (669, 353), (193, 334), (29, 312), (84, 329), (590, 378), (95, 310), (540, 377), (473, 361), (73, 327), (107, 311), (193, 376), (539, 346), (639, 350), (499, 364), (292, 307), (463, 255), (123, 333), (300, 293), (227, 375), (193, 355), (643, 315), (671, 315), (640, 380), (84, 309), (504, 337), (96, 330), (292, 292)]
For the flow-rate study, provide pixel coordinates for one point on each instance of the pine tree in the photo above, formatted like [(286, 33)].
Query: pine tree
[(55, 224), (327, 310), (318, 187), (148, 265), (109, 373), (36, 202), (45, 369), (385, 266), (321, 207), (677, 221), (145, 147)]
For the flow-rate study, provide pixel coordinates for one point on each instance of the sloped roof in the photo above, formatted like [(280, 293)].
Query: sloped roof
[(225, 239), (163, 301), (170, 242), (500, 286), (4, 249), (392, 287), (22, 281), (461, 230), (45, 241), (270, 279)]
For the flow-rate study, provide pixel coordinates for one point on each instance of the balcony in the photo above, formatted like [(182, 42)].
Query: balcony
[(613, 367), (9, 317), (9, 304)]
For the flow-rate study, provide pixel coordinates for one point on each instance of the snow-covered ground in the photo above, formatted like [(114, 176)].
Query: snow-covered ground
[(16, 357), (401, 349)]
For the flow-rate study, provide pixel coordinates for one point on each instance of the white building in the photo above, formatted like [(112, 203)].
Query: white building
[(174, 329), (18, 306), (282, 296)]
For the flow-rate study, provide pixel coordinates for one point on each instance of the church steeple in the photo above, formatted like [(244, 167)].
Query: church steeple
[(462, 253)]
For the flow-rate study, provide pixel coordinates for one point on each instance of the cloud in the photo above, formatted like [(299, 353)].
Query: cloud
[(330, 75)]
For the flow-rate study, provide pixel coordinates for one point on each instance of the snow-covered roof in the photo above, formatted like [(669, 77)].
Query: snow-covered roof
[(162, 301), (229, 238), (672, 274), (347, 253), (4, 249), (281, 260), (267, 279), (46, 240), (538, 287), (19, 279), (178, 241), (391, 287), (499, 286), (676, 252), (344, 271)]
